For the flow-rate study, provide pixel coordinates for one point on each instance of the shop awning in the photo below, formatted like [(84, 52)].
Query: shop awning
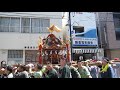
[(86, 50)]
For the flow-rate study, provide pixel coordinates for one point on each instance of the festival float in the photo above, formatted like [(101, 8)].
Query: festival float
[(52, 49)]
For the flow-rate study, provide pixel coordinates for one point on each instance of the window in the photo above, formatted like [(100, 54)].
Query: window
[(15, 54), (79, 30), (28, 25), (4, 24), (31, 56), (15, 24), (36, 24), (40, 25), (46, 23), (25, 22), (116, 18), (8, 24), (15, 57)]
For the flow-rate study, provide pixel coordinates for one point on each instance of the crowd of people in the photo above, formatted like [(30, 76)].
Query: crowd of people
[(104, 68)]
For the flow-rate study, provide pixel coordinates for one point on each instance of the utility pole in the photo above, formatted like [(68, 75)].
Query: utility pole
[(70, 35)]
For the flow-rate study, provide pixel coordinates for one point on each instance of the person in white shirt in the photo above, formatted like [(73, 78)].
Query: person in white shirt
[(9, 72)]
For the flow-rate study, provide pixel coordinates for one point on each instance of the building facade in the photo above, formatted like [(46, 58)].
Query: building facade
[(20, 31), (84, 36), (108, 24)]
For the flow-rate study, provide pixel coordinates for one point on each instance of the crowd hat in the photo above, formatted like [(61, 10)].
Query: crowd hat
[(116, 58), (105, 59), (80, 61)]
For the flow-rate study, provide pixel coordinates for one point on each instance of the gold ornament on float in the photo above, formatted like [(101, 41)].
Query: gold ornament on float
[(54, 28)]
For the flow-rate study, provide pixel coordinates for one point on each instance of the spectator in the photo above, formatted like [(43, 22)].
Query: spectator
[(83, 70), (3, 64), (23, 73), (38, 73), (56, 67), (9, 72), (3, 73), (14, 71), (106, 71), (93, 69), (51, 73), (74, 72)]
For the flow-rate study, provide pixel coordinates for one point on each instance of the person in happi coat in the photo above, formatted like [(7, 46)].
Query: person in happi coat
[(64, 71)]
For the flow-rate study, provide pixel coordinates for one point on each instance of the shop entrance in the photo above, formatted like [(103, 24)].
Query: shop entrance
[(84, 56)]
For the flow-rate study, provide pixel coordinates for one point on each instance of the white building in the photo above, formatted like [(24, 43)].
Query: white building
[(84, 35), (20, 31)]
